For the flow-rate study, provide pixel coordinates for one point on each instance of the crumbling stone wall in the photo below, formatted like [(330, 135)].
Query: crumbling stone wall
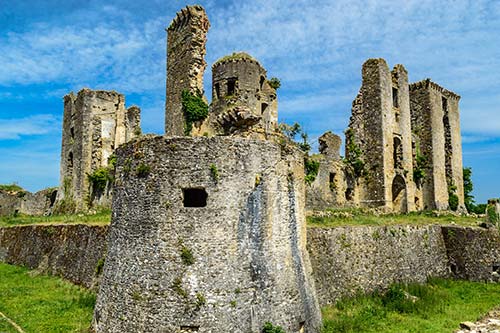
[(436, 122), (24, 202), (95, 123), (208, 235), (186, 39), (329, 187), (380, 127), (73, 252)]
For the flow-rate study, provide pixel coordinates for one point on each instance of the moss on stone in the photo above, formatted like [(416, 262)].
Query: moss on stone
[(235, 56)]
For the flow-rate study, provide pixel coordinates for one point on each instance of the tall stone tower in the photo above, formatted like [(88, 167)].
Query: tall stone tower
[(94, 124), (242, 96), (436, 123), (186, 39), (379, 135)]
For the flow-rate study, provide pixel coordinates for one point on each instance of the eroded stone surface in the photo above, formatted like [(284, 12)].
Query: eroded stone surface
[(208, 234)]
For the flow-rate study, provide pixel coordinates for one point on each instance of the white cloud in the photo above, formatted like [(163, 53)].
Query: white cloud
[(13, 129)]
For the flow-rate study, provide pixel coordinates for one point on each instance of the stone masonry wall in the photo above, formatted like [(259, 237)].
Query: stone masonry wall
[(474, 253), (347, 260), (24, 202), (186, 39), (208, 235), (344, 260), (72, 252), (95, 124)]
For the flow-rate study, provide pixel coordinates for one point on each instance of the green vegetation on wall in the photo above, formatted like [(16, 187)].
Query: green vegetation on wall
[(274, 82), (419, 173), (100, 178), (270, 328), (194, 108), (11, 188), (452, 196), (354, 155), (311, 169)]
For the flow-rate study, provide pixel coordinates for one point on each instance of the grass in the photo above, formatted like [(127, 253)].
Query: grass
[(100, 218), (42, 303), (353, 217), (11, 187), (438, 306)]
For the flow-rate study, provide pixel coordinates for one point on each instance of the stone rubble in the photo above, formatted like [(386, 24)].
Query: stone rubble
[(489, 324)]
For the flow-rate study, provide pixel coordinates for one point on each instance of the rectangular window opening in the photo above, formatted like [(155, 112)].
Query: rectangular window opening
[(395, 97), (194, 197), (217, 90), (231, 86), (332, 181), (444, 102), (263, 108)]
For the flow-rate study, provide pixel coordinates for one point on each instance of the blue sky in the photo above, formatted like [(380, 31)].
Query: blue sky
[(316, 48)]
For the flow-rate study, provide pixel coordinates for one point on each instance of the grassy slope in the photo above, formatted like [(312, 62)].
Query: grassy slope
[(42, 303), (100, 218), (441, 306), (336, 218)]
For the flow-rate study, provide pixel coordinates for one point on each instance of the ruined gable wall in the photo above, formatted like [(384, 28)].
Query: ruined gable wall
[(401, 159), (368, 124), (186, 39), (421, 118), (95, 124), (456, 164)]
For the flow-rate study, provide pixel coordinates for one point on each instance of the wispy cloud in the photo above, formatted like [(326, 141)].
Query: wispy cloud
[(14, 129)]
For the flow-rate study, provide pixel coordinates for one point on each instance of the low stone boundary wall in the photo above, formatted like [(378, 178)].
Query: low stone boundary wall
[(345, 260), (73, 252), (474, 253)]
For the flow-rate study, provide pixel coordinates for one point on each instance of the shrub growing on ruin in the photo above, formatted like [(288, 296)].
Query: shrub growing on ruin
[(353, 158), (194, 108), (270, 328), (100, 178), (452, 197), (274, 82), (311, 169)]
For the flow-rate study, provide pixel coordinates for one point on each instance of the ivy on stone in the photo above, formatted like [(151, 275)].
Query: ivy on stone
[(353, 159), (194, 109)]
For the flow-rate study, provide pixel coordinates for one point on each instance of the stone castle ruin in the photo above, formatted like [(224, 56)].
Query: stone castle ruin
[(208, 230), (403, 148), (95, 123)]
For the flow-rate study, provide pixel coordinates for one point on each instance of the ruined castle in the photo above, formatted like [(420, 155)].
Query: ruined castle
[(208, 230), (403, 148)]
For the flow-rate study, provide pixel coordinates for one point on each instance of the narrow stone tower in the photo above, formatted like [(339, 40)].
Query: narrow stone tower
[(94, 124), (186, 39), (379, 135), (436, 123), (207, 235), (242, 96)]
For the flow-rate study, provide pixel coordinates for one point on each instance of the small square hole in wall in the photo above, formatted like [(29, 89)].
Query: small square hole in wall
[(189, 329), (194, 197), (302, 328), (496, 267)]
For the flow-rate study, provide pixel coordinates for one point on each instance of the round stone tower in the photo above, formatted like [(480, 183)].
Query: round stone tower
[(207, 235), (241, 94)]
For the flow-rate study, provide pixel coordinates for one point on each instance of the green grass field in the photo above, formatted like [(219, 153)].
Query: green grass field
[(101, 218), (353, 217), (40, 303), (439, 307)]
